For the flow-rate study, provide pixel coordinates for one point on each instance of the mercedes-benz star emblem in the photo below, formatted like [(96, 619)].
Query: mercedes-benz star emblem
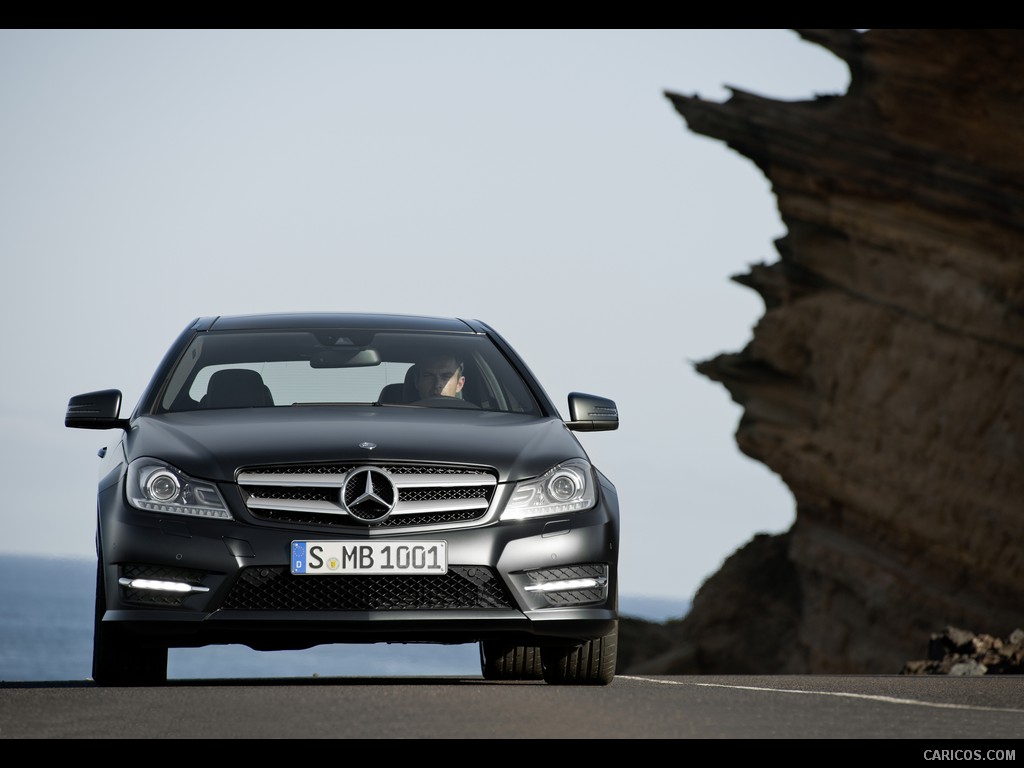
[(368, 494)]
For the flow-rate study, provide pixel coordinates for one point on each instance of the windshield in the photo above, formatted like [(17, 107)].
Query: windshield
[(244, 369)]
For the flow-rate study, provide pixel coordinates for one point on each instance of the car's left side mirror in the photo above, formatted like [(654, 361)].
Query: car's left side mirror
[(590, 413), (95, 410)]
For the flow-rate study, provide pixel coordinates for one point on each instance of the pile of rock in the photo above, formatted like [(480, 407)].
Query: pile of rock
[(958, 652)]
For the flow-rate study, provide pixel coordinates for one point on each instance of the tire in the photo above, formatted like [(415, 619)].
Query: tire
[(117, 657), (592, 663), (504, 661)]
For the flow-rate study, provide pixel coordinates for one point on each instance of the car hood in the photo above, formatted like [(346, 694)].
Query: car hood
[(214, 444)]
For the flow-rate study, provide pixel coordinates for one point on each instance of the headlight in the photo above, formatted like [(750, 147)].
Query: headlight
[(157, 487), (567, 487)]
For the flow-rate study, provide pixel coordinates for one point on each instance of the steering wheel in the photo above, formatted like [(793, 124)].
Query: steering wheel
[(443, 401)]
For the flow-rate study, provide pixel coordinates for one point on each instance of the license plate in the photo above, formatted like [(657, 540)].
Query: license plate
[(348, 558)]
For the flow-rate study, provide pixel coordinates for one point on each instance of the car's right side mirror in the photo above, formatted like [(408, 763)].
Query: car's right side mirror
[(590, 413)]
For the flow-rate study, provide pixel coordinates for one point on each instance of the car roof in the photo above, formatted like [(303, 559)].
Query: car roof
[(377, 321)]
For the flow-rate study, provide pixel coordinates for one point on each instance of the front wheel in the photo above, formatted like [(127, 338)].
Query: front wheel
[(117, 657), (592, 663), (505, 661)]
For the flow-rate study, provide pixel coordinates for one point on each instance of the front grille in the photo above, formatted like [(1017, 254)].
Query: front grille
[(158, 573), (316, 495), (275, 589)]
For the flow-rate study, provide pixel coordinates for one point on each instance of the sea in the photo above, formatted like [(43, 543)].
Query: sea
[(46, 617)]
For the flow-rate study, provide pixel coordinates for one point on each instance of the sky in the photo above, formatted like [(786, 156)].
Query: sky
[(538, 180)]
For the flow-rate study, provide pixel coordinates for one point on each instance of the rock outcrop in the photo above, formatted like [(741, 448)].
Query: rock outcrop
[(885, 382)]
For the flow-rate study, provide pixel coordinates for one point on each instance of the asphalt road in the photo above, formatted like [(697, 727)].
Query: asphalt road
[(972, 713)]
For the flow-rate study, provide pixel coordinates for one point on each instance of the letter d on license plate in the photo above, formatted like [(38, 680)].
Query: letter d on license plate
[(347, 558)]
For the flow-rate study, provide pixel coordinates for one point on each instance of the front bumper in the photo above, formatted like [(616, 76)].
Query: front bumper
[(242, 592)]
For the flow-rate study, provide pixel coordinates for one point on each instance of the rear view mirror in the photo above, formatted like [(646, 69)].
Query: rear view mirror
[(345, 357)]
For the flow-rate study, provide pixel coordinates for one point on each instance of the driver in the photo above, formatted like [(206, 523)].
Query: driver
[(440, 376)]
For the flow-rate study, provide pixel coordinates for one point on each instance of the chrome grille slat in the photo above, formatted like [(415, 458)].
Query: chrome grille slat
[(452, 481), (297, 505), (291, 481), (336, 480), (402, 508), (426, 494), (440, 505)]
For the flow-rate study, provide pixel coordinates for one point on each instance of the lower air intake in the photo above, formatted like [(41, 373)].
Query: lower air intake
[(275, 589)]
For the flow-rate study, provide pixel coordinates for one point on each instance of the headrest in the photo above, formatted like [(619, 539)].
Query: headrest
[(236, 388)]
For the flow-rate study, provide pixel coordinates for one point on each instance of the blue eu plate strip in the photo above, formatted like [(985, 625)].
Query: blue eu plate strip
[(298, 557)]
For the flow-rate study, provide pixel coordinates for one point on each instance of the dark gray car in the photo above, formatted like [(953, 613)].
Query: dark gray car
[(292, 480)]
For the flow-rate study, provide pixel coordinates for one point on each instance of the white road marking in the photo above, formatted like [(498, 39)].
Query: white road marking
[(870, 697)]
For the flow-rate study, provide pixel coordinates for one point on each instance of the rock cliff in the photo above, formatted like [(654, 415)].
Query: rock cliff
[(885, 381)]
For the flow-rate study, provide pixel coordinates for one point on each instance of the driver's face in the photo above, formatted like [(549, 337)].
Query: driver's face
[(440, 377)]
